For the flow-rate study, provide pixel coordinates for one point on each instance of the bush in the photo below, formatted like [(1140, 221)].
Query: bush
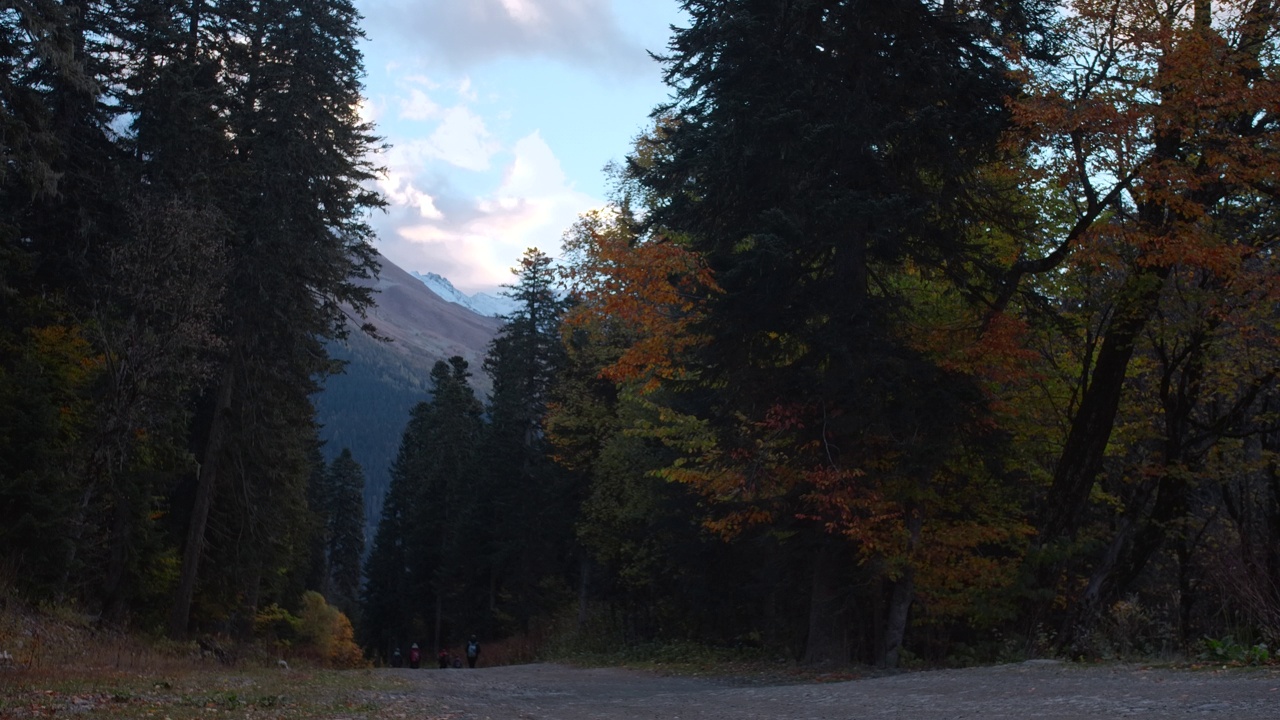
[(275, 623), (1228, 650), (328, 632)]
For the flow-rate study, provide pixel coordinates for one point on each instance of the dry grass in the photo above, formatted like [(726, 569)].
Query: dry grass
[(61, 665)]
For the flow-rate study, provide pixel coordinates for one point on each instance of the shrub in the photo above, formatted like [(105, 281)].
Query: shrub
[(328, 632)]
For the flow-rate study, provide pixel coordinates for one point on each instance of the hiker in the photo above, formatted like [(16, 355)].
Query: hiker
[(397, 660), (415, 656), (473, 652), (443, 657)]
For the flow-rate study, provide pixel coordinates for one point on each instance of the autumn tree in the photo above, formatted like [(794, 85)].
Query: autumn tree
[(1155, 140), (813, 152)]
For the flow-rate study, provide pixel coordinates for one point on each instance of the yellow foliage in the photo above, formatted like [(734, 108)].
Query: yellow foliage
[(328, 632)]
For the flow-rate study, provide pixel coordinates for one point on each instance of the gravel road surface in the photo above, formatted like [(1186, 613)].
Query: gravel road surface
[(1036, 689)]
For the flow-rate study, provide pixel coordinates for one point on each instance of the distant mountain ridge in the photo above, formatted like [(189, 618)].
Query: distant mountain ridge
[(367, 407), (480, 303)]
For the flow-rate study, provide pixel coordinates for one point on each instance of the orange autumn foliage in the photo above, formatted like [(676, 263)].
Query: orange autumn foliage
[(650, 288)]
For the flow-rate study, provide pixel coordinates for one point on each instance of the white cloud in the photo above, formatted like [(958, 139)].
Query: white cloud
[(418, 106), (474, 242), (470, 32), (524, 12), (460, 139), (400, 190)]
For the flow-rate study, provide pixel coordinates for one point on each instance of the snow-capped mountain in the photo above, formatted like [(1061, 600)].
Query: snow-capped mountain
[(480, 303)]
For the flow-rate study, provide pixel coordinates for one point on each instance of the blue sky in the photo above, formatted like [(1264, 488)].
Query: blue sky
[(501, 115)]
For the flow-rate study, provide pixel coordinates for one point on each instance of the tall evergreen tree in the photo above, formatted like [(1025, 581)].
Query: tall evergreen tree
[(813, 151), (424, 574), (389, 600), (298, 168), (524, 548), (345, 532)]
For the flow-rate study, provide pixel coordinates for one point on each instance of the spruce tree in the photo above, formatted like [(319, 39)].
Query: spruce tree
[(525, 548), (297, 208), (389, 602), (814, 151), (345, 532), (448, 529), (424, 574)]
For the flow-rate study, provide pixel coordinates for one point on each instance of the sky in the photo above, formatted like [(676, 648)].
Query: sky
[(501, 116)]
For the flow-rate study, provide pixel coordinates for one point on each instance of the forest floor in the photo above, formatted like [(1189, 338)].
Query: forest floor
[(1036, 689)]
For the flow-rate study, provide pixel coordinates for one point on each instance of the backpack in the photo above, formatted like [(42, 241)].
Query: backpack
[(473, 649)]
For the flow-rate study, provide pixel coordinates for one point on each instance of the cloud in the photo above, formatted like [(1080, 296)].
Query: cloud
[(460, 137), (472, 240), (418, 106), (400, 191), (466, 33)]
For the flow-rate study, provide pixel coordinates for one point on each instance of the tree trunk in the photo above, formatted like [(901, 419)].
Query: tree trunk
[(1082, 454), (828, 642), (584, 576), (904, 592), (180, 614), (116, 605)]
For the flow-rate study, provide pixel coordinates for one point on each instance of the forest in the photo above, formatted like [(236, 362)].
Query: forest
[(914, 332)]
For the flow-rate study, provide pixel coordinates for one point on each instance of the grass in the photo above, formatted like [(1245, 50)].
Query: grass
[(62, 665), (258, 693), (733, 666)]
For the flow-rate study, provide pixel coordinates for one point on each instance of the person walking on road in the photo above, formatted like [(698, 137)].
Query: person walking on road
[(473, 652)]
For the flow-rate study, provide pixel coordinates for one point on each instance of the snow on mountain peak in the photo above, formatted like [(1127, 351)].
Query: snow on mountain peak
[(480, 303)]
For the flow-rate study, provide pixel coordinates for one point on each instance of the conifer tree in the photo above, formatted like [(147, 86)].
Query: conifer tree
[(299, 240), (523, 547), (345, 532), (391, 611), (424, 574), (813, 151)]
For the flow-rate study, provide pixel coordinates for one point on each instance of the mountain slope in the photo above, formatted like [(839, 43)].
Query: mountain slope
[(366, 408)]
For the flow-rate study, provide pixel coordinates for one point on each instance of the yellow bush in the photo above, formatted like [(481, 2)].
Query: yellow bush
[(328, 632)]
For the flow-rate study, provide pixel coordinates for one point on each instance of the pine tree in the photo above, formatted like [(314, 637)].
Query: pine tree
[(813, 151), (524, 548), (345, 532), (424, 575), (448, 525), (389, 600), (299, 240)]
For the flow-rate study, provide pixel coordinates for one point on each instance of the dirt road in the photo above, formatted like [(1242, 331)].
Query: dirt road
[(1037, 689)]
